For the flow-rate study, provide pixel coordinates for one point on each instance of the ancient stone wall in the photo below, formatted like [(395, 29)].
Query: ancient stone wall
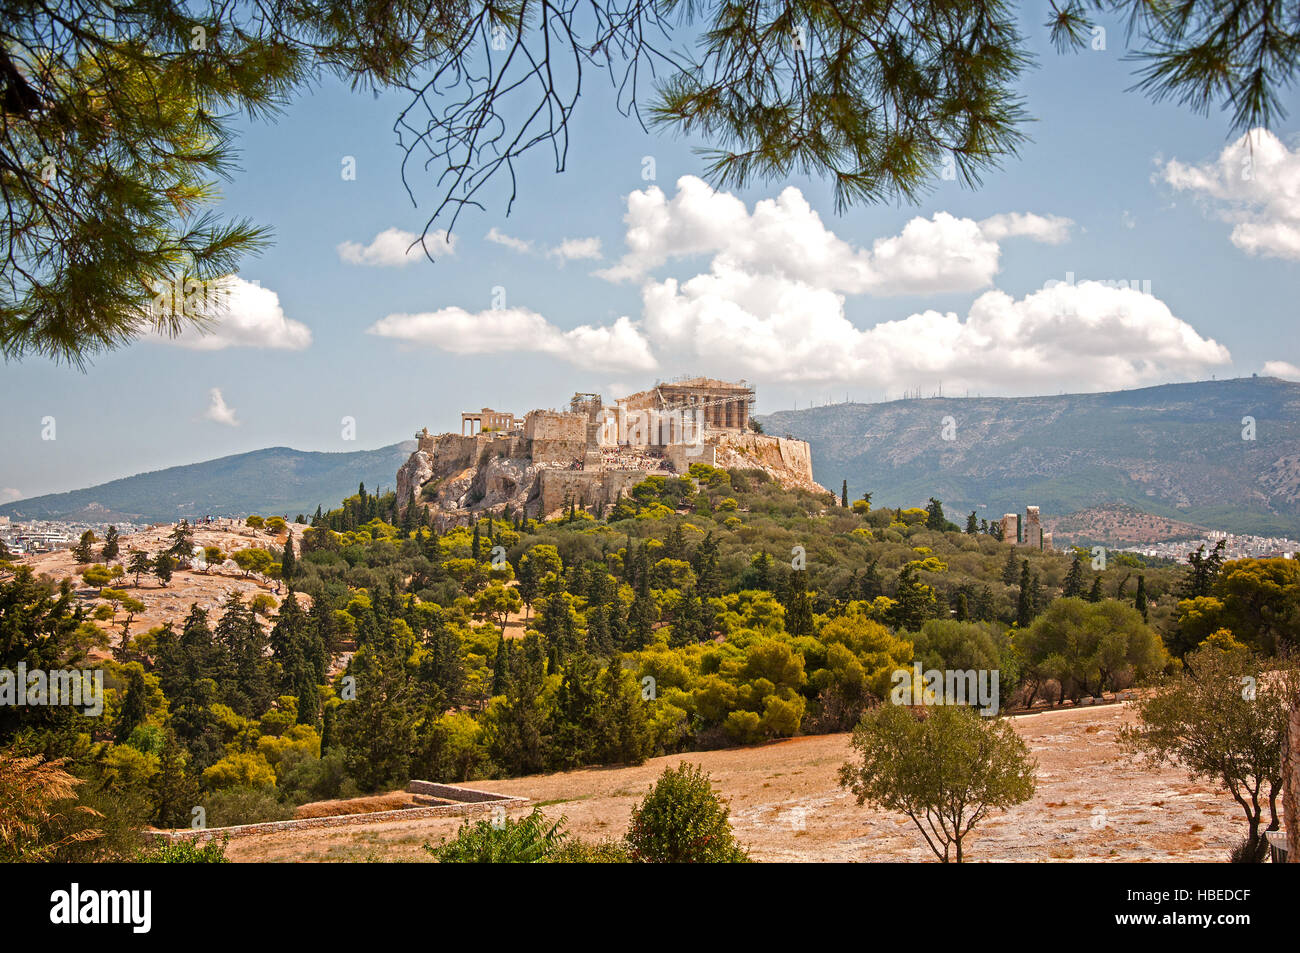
[(588, 488), (468, 801), (555, 425)]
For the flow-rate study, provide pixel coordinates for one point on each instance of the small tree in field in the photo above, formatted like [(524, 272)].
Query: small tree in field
[(139, 564), (84, 551), (1225, 718), (112, 546), (945, 772), (252, 560), (682, 821), (162, 568)]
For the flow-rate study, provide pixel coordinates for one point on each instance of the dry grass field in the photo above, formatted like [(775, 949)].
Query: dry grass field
[(1093, 804)]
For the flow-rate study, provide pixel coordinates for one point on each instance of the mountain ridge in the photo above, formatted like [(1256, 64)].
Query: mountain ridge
[(1172, 450), (269, 480)]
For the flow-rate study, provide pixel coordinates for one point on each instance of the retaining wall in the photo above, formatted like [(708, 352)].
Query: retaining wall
[(469, 801)]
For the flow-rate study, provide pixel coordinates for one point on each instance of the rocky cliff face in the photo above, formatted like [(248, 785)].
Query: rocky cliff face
[(451, 473), (452, 476)]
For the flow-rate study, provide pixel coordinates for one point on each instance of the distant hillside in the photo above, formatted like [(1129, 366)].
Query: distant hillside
[(1119, 524), (1174, 451), (277, 480)]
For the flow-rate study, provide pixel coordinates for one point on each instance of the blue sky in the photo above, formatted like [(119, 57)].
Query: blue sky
[(1106, 203)]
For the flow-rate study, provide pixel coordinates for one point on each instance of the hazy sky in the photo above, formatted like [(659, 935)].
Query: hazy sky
[(604, 280)]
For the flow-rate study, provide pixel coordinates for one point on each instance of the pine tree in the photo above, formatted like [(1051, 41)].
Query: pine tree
[(162, 568), (182, 538), (112, 546), (139, 564), (934, 518), (915, 601), (84, 551), (972, 528), (708, 575), (174, 791)]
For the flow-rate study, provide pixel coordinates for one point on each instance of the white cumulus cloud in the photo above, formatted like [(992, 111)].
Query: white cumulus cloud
[(1085, 336), (395, 248), (772, 304), (785, 236), (1256, 183), (504, 330), (1283, 369), (218, 411), (244, 314)]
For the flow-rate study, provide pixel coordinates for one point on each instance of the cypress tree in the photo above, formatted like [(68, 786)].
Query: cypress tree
[(1011, 571), (1094, 594), (288, 561), (798, 608), (133, 707), (1073, 586), (501, 668), (1140, 597), (1024, 603), (962, 609), (327, 728), (844, 494)]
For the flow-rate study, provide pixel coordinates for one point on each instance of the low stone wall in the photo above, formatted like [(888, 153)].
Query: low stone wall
[(469, 801), (454, 792)]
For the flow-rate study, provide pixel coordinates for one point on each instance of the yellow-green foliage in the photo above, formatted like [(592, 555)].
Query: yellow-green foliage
[(243, 769)]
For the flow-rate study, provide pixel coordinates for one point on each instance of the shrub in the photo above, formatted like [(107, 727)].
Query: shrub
[(234, 806), (529, 840), (681, 820), (187, 852)]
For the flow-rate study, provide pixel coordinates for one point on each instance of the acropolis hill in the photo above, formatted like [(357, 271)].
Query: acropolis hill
[(592, 454)]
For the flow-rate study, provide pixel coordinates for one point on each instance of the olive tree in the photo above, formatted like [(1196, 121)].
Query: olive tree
[(1223, 718), (945, 772)]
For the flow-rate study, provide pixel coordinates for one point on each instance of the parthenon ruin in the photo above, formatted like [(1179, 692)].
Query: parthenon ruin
[(720, 404)]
